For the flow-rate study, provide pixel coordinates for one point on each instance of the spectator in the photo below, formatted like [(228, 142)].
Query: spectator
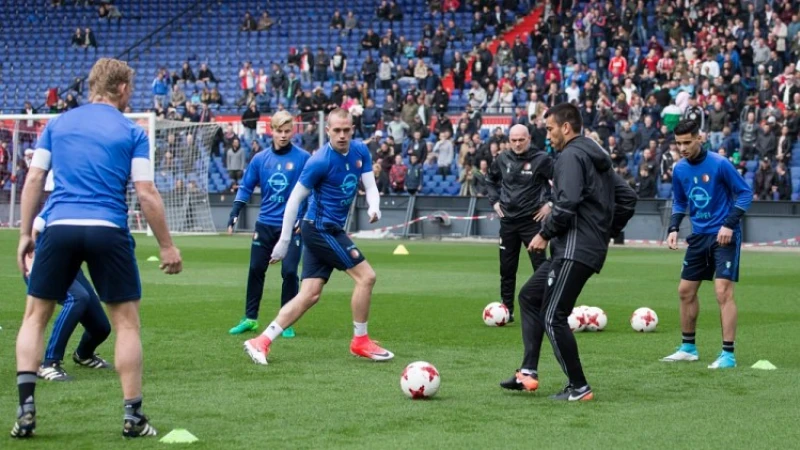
[(763, 181), (248, 23), (646, 186), (250, 122), (265, 22), (337, 21), (413, 179), (397, 175), (205, 75), (781, 184), (77, 38), (89, 39), (444, 154), (235, 158)]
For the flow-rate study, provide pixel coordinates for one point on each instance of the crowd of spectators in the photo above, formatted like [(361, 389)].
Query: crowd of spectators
[(635, 68)]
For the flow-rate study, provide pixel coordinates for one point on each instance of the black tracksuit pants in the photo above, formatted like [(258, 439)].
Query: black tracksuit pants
[(546, 301), (515, 234)]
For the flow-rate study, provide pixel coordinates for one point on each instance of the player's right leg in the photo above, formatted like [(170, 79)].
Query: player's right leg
[(310, 290), (260, 250), (689, 310), (112, 266), (128, 362), (291, 280), (53, 271), (531, 297), (510, 244), (695, 270)]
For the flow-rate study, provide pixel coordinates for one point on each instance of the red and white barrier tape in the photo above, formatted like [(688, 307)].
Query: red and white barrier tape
[(788, 242)]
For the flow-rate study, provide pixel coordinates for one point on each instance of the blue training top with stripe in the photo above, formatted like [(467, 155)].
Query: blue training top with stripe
[(333, 180), (91, 149), (276, 173), (710, 188)]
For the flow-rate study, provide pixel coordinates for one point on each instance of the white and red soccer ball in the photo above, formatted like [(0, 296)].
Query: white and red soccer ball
[(496, 314), (644, 320), (577, 320), (420, 380), (596, 319)]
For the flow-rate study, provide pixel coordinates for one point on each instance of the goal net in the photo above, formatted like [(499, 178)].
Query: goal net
[(180, 154)]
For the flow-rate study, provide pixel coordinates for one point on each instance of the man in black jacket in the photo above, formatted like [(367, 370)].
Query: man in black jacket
[(519, 190), (591, 205)]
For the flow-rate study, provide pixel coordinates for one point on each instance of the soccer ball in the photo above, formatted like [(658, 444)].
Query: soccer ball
[(644, 320), (577, 320), (420, 380), (596, 319), (496, 314)]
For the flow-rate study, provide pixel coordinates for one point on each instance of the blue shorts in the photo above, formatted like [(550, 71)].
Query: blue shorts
[(705, 258), (107, 251), (327, 249)]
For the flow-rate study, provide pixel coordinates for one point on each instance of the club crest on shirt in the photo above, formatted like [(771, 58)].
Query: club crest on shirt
[(705, 178), (354, 253), (289, 166), (255, 236), (527, 166), (358, 164)]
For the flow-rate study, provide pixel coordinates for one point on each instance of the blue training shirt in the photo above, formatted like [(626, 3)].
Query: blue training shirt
[(333, 180), (91, 150), (276, 173), (710, 188)]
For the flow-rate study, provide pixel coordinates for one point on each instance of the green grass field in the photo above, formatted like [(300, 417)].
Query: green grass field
[(427, 306)]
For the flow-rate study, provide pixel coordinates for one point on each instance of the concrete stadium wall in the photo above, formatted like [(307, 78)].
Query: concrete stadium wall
[(765, 222)]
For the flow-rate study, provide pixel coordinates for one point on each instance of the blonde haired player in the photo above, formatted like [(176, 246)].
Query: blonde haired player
[(276, 170), (91, 163)]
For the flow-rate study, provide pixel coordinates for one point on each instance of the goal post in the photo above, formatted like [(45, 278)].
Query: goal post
[(180, 157)]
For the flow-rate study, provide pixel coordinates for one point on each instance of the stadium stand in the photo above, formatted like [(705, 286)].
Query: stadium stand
[(644, 63)]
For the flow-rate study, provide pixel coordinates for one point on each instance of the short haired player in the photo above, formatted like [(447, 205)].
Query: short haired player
[(709, 188), (331, 176), (276, 170), (93, 151)]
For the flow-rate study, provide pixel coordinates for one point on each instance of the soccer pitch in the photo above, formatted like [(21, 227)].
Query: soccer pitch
[(427, 306)]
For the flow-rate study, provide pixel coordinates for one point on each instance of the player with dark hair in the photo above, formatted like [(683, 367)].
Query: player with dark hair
[(276, 171), (717, 197), (87, 221), (591, 205), (331, 176), (519, 190)]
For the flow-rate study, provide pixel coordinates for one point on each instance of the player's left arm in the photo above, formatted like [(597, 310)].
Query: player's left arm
[(624, 204), (743, 195), (370, 187), (544, 173), (252, 178), (567, 195)]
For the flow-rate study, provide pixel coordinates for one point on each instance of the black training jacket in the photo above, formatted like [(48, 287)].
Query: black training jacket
[(521, 183), (592, 204)]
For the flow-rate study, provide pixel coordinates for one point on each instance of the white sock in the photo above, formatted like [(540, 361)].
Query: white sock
[(273, 331), (359, 329)]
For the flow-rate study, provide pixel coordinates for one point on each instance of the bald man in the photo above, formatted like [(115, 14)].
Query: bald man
[(519, 189)]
